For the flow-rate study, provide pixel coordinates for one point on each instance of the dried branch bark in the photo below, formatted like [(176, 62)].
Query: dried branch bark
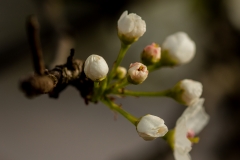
[(54, 81)]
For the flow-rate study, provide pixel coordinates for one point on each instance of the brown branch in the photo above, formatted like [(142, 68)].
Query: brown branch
[(35, 44), (52, 82)]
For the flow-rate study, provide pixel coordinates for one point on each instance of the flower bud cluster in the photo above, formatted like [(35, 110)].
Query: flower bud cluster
[(177, 49)]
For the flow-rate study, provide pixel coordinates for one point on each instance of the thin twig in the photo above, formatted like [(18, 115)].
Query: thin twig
[(35, 44)]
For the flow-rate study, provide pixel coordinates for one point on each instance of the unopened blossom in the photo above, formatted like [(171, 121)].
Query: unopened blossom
[(151, 54), (151, 127), (190, 123), (130, 27), (137, 73), (187, 91), (178, 49), (95, 68), (120, 72)]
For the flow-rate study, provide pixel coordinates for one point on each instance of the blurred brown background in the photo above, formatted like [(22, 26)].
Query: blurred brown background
[(49, 129)]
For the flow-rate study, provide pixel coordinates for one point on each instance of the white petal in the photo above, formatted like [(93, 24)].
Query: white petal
[(179, 156), (124, 14), (126, 25), (181, 143), (196, 116), (182, 146)]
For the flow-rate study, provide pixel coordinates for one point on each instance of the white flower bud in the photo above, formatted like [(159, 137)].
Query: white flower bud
[(187, 91), (178, 49), (137, 73), (130, 27), (151, 127), (120, 72), (151, 54), (95, 68)]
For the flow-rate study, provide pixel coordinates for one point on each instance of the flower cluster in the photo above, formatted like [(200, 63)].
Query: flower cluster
[(177, 49), (97, 83)]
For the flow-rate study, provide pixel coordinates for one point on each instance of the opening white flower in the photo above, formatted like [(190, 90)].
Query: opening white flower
[(178, 49), (192, 121), (130, 27), (137, 73), (96, 68), (187, 91), (151, 127), (182, 145)]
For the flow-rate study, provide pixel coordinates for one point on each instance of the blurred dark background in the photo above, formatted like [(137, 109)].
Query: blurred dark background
[(49, 129)]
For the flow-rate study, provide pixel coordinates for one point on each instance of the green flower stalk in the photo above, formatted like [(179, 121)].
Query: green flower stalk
[(120, 57), (118, 109)]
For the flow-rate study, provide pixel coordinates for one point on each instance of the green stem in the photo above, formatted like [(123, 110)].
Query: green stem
[(117, 108), (96, 90), (122, 84), (155, 66), (166, 93), (169, 137), (101, 89), (121, 54), (117, 85), (96, 85), (165, 61)]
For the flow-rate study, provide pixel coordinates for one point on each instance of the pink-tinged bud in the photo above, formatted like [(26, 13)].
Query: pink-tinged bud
[(151, 54), (137, 73)]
